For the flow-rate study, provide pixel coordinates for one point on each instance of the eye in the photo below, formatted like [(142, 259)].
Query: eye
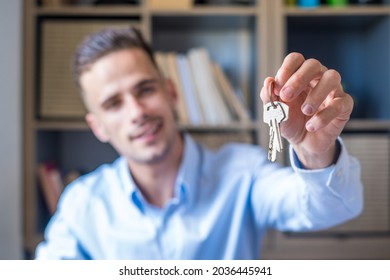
[(146, 90), (112, 104)]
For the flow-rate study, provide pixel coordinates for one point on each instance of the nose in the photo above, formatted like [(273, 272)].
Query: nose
[(134, 109)]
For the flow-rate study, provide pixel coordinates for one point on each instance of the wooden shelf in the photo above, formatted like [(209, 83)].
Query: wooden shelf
[(208, 11), (82, 126), (123, 10), (106, 11), (221, 128), (353, 124), (61, 125), (368, 125)]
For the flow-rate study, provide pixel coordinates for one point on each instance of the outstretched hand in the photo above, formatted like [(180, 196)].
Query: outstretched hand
[(319, 108)]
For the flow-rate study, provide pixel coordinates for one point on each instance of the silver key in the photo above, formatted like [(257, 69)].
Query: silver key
[(271, 148), (275, 113)]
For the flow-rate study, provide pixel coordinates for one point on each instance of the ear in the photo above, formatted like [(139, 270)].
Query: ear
[(97, 128)]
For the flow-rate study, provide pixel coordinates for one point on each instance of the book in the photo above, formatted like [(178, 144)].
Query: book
[(195, 111), (205, 95), (215, 109), (51, 184), (70, 177), (234, 103), (172, 72), (160, 58)]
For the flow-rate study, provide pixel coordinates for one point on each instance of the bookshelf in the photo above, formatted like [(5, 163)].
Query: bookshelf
[(249, 42), (355, 40)]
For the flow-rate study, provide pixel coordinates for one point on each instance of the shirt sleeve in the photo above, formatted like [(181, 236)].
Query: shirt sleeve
[(60, 243), (296, 199)]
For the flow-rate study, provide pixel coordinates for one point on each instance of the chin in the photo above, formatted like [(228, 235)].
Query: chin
[(154, 152), (151, 155)]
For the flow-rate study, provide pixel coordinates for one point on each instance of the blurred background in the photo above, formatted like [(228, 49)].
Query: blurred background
[(11, 234)]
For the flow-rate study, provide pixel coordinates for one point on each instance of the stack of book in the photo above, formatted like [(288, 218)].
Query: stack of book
[(205, 95), (52, 183)]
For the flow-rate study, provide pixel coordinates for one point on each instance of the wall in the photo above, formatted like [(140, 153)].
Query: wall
[(10, 129)]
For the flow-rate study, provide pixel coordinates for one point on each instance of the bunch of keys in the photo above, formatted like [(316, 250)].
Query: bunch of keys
[(274, 113)]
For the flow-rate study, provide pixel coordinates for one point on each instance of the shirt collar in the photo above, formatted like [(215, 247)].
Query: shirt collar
[(186, 181), (128, 185)]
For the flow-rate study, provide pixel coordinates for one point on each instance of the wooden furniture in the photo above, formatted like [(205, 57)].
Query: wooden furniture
[(249, 42)]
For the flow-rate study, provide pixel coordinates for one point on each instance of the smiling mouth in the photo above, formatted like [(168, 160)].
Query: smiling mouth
[(148, 131)]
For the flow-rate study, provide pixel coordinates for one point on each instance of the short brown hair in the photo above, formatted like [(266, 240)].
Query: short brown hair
[(104, 42)]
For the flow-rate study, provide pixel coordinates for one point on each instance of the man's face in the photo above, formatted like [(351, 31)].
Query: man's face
[(130, 105)]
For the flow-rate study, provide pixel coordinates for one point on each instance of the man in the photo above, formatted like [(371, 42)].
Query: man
[(167, 197)]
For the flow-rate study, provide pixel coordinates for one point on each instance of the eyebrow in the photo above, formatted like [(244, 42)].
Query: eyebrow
[(146, 82)]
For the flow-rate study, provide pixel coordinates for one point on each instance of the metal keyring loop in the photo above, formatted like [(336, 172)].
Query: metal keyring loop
[(270, 92)]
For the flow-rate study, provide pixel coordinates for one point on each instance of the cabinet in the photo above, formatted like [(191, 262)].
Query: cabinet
[(249, 42), (355, 40)]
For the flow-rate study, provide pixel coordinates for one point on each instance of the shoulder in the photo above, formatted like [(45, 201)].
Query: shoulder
[(89, 187)]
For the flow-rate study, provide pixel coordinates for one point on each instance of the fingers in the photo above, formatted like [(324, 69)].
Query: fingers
[(322, 96), (295, 75), (264, 93), (330, 81), (291, 63), (339, 108)]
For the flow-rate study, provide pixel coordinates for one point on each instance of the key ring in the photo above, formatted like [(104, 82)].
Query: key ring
[(270, 92)]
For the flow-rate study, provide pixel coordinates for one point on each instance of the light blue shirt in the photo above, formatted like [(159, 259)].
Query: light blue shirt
[(224, 203)]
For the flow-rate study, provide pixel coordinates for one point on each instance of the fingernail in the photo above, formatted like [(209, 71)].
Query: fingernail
[(307, 109), (288, 93), (310, 127)]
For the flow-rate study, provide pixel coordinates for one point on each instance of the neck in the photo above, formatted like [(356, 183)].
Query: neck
[(156, 181)]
